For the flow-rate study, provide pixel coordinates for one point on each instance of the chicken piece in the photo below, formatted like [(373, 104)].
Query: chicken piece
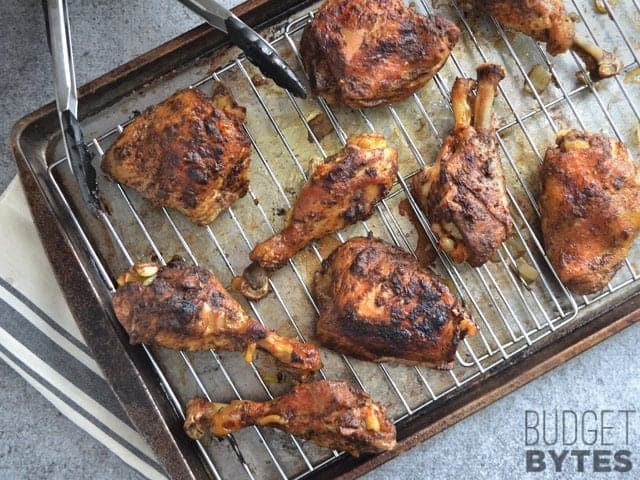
[(332, 414), (378, 304), (188, 152), (464, 193), (184, 307), (547, 21), (365, 53), (342, 190), (590, 206)]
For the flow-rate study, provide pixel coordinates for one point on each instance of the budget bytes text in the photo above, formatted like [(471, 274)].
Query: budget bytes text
[(590, 441)]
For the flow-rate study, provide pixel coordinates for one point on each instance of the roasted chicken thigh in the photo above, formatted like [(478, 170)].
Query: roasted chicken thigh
[(590, 206), (376, 303), (340, 191), (364, 53), (184, 307), (464, 194), (547, 21), (332, 414), (189, 152)]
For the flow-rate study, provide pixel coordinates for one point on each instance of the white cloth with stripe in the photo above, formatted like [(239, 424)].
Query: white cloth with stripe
[(47, 349)]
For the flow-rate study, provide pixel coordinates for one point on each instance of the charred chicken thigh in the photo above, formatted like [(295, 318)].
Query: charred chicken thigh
[(188, 152), (547, 21), (332, 414), (364, 53), (464, 194), (341, 191), (376, 303), (184, 307), (590, 206)]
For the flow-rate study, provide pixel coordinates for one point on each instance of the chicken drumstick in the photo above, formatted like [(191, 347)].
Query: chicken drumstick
[(547, 21), (184, 307), (341, 191), (464, 193), (332, 414)]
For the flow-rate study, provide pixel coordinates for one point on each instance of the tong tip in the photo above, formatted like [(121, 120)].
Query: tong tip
[(297, 89)]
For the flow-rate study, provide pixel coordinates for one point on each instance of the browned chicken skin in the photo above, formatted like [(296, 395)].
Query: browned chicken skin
[(376, 303), (590, 205), (547, 21), (341, 191), (184, 307), (332, 414), (464, 194), (188, 152), (364, 53)]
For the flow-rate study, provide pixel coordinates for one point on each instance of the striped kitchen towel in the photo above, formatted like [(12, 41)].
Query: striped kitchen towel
[(43, 344)]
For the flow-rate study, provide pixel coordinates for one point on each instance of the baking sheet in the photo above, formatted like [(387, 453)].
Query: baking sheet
[(511, 316)]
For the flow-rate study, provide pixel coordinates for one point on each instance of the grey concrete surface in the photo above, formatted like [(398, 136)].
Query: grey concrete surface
[(37, 442)]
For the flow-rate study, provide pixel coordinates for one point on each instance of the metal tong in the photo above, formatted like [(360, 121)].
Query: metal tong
[(64, 77), (257, 49)]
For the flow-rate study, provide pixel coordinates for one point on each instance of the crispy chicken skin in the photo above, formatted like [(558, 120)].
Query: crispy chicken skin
[(341, 191), (377, 304), (184, 307), (365, 53), (464, 194), (590, 206), (332, 414), (188, 152), (547, 21), (543, 20)]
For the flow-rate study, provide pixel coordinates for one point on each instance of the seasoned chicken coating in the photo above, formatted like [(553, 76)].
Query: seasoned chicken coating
[(332, 414), (184, 307), (341, 191), (189, 152), (590, 206), (547, 21), (364, 53), (378, 304), (464, 194)]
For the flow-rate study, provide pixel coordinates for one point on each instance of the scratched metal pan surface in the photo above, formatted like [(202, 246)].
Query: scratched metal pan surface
[(514, 317)]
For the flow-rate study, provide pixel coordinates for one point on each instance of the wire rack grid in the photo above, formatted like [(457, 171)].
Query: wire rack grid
[(512, 315)]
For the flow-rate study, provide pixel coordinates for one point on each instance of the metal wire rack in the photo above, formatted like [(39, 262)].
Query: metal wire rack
[(512, 315)]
